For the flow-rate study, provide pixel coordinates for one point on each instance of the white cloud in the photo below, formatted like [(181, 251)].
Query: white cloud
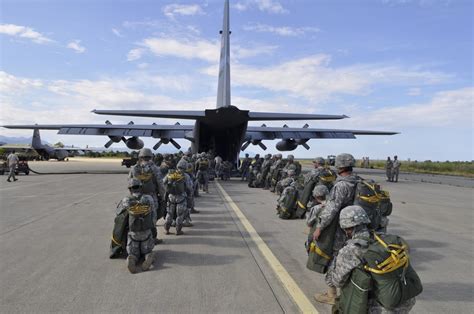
[(452, 108), (10, 84), (76, 46), (24, 32), (270, 6), (172, 10), (281, 30), (187, 49), (313, 77), (117, 32), (135, 54)]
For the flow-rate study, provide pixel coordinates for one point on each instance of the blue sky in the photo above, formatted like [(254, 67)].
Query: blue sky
[(398, 65)]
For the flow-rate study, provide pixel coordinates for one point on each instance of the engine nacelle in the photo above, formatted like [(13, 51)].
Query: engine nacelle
[(286, 145), (134, 143), (115, 139)]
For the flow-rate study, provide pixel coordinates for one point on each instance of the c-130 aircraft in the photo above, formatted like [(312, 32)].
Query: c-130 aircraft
[(223, 130)]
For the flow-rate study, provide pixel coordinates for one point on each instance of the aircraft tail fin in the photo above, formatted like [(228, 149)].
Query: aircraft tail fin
[(223, 88), (36, 141)]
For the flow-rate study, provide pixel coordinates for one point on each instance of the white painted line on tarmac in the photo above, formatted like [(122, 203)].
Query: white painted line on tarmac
[(287, 281)]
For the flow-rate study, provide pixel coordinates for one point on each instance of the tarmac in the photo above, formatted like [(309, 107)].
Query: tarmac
[(55, 236)]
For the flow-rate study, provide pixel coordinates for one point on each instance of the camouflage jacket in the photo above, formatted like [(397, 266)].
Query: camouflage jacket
[(340, 196), (150, 176)]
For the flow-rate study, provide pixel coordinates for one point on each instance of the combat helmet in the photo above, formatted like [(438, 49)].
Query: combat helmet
[(145, 152), (345, 160), (291, 172), (320, 191), (182, 165), (134, 184), (352, 216), (290, 157), (319, 160)]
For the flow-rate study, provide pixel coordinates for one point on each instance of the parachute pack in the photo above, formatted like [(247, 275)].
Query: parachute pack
[(386, 274), (175, 183), (326, 177), (375, 201), (203, 164), (139, 217)]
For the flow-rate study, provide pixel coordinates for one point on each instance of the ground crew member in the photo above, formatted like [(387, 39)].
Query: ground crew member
[(141, 211), (395, 169), (151, 177), (341, 195), (353, 220), (12, 161), (176, 186), (388, 168)]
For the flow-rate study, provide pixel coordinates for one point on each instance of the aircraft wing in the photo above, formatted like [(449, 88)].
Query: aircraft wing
[(174, 114), (19, 147), (269, 116), (287, 133), (115, 130)]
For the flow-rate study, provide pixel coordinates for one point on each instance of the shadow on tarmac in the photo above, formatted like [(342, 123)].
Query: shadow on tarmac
[(447, 291)]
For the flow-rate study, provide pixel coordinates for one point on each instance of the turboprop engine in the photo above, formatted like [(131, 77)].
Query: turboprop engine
[(134, 143), (286, 145)]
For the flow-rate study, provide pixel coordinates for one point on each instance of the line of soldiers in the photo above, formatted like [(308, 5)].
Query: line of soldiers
[(392, 168), (166, 191), (348, 219)]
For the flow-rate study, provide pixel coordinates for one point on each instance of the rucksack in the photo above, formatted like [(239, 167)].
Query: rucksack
[(327, 178), (140, 216), (203, 165), (386, 275), (373, 200), (287, 203), (176, 183), (394, 281)]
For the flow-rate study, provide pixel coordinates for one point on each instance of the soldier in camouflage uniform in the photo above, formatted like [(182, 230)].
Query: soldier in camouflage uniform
[(388, 168), (291, 164), (320, 192), (141, 213), (395, 169), (176, 184), (318, 166), (341, 195), (151, 177), (275, 173), (286, 182), (183, 166), (202, 166), (353, 220), (244, 167)]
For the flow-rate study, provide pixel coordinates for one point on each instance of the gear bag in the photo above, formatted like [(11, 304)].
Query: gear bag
[(374, 201), (327, 178), (321, 251), (140, 217), (287, 203), (118, 245), (354, 294), (175, 183), (394, 280)]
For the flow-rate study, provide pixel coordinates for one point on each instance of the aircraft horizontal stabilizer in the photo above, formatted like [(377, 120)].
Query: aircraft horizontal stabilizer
[(268, 116), (174, 114)]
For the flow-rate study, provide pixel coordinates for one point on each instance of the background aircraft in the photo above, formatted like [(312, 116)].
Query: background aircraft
[(45, 151), (223, 130)]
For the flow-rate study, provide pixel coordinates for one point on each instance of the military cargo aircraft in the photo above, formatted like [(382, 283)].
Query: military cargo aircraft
[(223, 130), (45, 152)]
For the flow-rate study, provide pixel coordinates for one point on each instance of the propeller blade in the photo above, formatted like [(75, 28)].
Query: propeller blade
[(107, 145), (306, 126), (305, 146), (244, 147), (157, 145), (175, 144), (262, 146)]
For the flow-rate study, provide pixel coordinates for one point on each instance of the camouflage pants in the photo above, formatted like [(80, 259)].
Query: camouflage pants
[(394, 174), (339, 241), (405, 307), (388, 172), (140, 243), (12, 172), (203, 179), (176, 208)]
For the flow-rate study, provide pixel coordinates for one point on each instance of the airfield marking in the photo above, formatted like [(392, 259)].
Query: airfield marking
[(290, 285)]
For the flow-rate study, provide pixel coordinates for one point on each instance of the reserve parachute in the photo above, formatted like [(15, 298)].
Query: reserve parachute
[(375, 201), (175, 183)]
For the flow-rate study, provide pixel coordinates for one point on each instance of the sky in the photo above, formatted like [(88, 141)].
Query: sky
[(390, 65)]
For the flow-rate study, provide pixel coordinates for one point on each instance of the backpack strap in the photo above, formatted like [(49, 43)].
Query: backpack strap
[(398, 258)]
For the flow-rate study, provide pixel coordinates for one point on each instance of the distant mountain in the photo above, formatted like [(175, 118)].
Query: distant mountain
[(15, 140)]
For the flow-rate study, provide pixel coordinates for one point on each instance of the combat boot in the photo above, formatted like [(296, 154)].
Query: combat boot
[(187, 224), (179, 231), (328, 297), (149, 258), (167, 229), (193, 211), (132, 264)]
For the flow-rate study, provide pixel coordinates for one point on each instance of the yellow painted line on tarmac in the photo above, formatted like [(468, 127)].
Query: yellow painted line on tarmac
[(290, 285)]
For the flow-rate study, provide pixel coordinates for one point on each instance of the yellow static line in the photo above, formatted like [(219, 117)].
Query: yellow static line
[(290, 285)]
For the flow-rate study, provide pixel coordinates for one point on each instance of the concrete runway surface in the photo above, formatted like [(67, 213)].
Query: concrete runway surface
[(55, 236)]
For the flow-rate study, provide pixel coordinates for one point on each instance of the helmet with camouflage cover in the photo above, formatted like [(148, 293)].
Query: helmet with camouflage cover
[(291, 172), (182, 165), (134, 184), (279, 156), (352, 216), (291, 157), (145, 152), (320, 191), (319, 160), (268, 156), (345, 160)]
